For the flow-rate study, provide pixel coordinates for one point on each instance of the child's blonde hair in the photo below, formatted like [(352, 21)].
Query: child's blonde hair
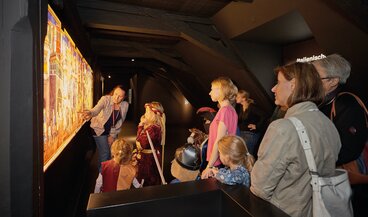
[(228, 89), (236, 149), (122, 151), (159, 118)]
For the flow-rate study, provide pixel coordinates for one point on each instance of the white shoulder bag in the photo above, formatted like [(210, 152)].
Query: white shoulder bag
[(331, 195)]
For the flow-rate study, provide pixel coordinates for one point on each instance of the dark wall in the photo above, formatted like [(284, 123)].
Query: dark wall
[(209, 66), (302, 49), (114, 80), (151, 88), (261, 59), (21, 94), (67, 179), (330, 23)]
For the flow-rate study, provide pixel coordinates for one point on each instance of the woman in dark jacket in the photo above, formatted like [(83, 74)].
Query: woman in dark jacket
[(250, 120)]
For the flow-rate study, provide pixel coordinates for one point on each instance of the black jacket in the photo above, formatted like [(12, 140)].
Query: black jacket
[(350, 122), (253, 115)]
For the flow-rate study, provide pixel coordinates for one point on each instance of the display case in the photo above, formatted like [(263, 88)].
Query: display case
[(68, 89)]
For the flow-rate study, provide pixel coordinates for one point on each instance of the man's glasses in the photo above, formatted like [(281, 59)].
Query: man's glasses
[(327, 78)]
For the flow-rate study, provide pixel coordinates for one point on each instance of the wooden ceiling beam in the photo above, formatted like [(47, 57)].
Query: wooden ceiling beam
[(123, 44), (131, 53), (132, 29), (97, 33), (113, 16), (138, 10), (123, 53)]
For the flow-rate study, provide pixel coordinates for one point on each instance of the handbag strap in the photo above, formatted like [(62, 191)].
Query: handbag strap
[(304, 140), (360, 102)]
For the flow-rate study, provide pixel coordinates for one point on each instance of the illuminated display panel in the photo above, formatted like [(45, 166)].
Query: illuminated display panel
[(68, 89)]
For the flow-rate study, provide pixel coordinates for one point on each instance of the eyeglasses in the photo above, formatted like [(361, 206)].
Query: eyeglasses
[(327, 78)]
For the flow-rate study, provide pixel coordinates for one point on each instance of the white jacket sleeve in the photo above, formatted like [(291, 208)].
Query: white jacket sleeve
[(99, 182), (272, 161)]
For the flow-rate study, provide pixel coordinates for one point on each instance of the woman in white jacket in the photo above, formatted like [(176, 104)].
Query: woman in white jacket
[(107, 118), (281, 174)]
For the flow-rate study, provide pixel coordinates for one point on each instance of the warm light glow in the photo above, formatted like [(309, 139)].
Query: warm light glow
[(67, 89), (133, 60), (186, 102), (109, 76)]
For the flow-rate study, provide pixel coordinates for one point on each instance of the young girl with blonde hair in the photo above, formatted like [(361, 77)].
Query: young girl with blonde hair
[(119, 172), (237, 160), (225, 122), (153, 122)]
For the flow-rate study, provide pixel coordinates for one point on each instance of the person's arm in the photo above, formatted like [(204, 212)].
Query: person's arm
[(102, 103), (223, 175), (99, 183), (221, 132), (272, 160), (235, 177), (141, 136), (138, 140), (153, 130), (89, 113), (258, 118), (350, 122)]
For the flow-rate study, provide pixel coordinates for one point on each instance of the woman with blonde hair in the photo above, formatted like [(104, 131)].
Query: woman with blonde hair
[(224, 92), (153, 122), (237, 160), (250, 120)]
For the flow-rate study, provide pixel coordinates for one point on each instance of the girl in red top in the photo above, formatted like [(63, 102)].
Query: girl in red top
[(119, 172)]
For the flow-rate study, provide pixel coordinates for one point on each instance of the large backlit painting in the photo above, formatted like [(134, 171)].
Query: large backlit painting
[(68, 83)]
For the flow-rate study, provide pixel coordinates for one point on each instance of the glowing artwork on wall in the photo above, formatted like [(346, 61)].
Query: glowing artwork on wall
[(68, 88)]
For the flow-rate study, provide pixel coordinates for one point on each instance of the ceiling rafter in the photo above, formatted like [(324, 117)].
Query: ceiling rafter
[(125, 18)]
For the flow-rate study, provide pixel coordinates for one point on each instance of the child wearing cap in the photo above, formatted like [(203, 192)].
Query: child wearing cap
[(185, 166), (237, 160)]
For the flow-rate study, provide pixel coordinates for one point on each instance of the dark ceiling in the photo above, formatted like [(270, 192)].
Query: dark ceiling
[(128, 29), (163, 36), (287, 29), (124, 29), (197, 8)]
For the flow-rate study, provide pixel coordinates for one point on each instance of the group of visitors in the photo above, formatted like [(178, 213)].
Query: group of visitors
[(335, 122), (126, 163), (270, 162)]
